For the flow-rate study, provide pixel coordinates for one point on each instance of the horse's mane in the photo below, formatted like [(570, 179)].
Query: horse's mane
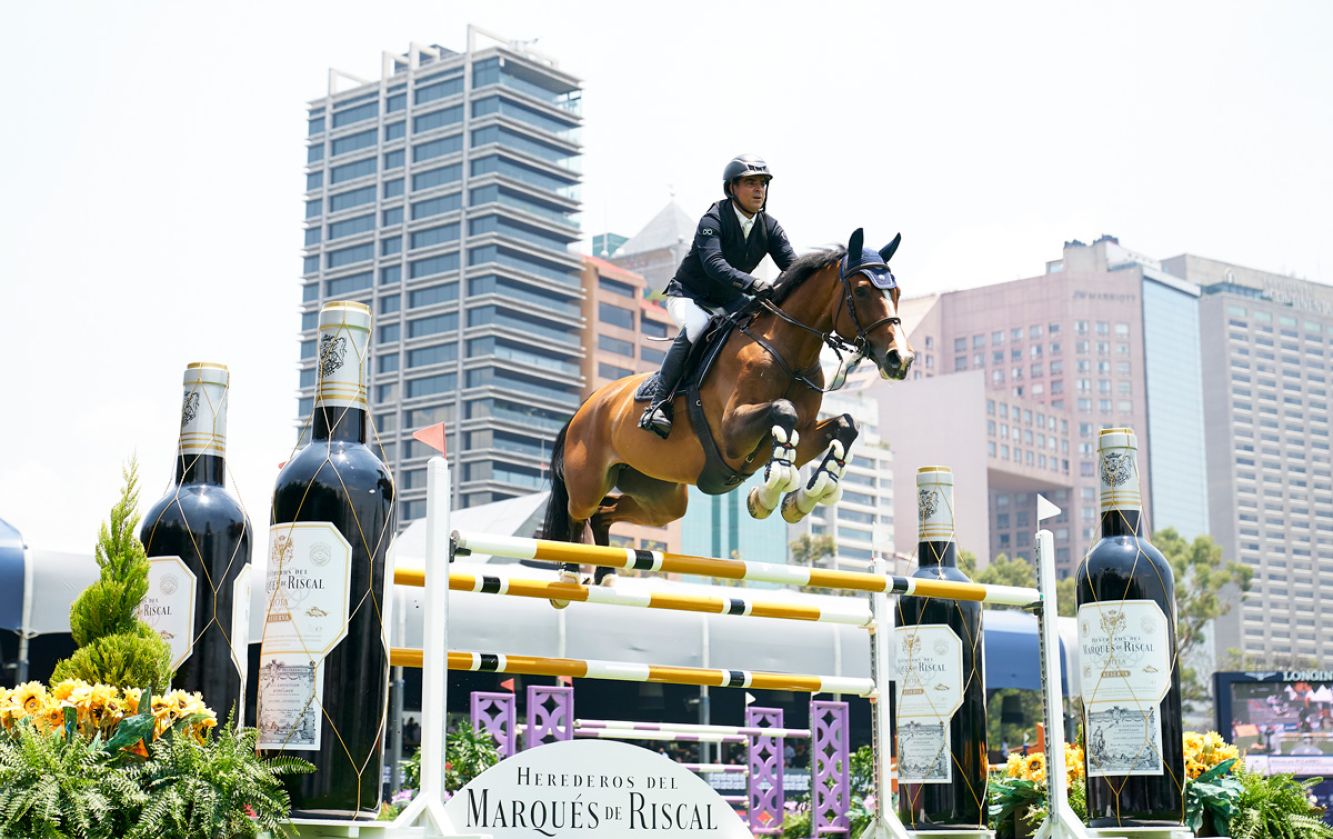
[(802, 269)]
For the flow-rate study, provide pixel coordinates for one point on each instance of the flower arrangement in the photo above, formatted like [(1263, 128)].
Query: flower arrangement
[(1220, 798), (99, 710), (93, 760)]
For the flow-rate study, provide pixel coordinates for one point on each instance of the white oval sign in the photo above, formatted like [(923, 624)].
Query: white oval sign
[(592, 788)]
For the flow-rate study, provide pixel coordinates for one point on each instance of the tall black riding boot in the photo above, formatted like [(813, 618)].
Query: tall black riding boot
[(657, 417)]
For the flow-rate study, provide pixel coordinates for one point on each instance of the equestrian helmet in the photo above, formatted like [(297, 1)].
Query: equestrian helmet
[(743, 165)]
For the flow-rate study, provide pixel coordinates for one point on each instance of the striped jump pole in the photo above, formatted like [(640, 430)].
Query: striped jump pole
[(851, 614), (578, 668), (697, 728), (717, 768), (630, 559), (666, 736)]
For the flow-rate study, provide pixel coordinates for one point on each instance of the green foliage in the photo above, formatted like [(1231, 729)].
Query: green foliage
[(467, 753), (1207, 587), (808, 550), (211, 788), (1066, 597), (115, 647), (967, 562), (61, 784), (1011, 797), (1013, 733), (57, 786), (861, 783), (796, 824), (137, 657), (1215, 792), (1277, 807)]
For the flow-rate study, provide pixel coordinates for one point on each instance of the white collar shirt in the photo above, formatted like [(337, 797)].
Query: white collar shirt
[(746, 223)]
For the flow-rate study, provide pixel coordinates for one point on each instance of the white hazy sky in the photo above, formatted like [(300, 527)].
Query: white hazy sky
[(153, 154)]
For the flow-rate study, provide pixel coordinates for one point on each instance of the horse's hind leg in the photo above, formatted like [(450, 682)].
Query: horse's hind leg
[(643, 500), (835, 437)]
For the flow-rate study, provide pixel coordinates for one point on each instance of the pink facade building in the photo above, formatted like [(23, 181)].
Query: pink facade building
[(1049, 361)]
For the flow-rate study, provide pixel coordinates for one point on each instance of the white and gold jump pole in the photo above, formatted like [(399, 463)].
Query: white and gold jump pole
[(726, 602), (630, 559), (886, 824), (1061, 821)]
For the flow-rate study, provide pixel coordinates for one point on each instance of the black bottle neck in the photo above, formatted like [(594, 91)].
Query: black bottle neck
[(942, 554), (1122, 523), (339, 423), (201, 469)]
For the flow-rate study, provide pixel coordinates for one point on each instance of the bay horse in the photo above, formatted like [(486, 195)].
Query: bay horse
[(760, 401)]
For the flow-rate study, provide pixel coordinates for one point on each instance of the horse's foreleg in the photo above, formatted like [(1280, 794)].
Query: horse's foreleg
[(745, 429), (834, 437)]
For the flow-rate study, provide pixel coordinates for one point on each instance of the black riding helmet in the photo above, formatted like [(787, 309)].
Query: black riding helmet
[(743, 165)]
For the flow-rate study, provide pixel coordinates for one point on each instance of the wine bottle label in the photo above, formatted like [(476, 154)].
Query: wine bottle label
[(291, 691), (307, 596), (204, 410), (240, 631), (934, 491), (168, 607), (928, 675), (344, 335), (1119, 470), (1125, 650)]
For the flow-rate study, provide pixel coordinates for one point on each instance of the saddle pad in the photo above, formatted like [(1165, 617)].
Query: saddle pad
[(703, 354)]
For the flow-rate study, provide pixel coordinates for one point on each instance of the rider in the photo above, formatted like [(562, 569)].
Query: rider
[(731, 239)]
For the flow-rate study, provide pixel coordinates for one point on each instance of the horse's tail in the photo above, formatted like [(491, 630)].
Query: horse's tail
[(557, 525)]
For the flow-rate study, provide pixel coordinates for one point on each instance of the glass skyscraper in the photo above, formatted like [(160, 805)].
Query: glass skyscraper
[(445, 196)]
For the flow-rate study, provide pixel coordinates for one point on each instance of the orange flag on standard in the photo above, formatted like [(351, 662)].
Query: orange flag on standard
[(431, 435)]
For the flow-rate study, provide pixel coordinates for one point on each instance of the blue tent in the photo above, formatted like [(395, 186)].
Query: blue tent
[(12, 582), (1013, 655)]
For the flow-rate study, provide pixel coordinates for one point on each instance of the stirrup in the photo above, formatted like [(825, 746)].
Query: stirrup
[(656, 419)]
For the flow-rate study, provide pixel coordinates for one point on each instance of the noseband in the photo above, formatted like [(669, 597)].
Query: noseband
[(882, 278)]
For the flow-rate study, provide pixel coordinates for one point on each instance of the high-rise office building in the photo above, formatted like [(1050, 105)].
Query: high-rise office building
[(444, 195), (1267, 354)]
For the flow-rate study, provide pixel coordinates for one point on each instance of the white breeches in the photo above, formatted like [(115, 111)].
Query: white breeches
[(688, 315)]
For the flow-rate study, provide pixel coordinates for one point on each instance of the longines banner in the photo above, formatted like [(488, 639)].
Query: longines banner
[(592, 788)]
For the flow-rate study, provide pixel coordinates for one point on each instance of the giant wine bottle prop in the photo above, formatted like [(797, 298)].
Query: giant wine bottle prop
[(940, 680), (1127, 635), (324, 665), (198, 542)]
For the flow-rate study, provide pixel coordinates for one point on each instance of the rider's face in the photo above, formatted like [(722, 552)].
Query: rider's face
[(750, 192)]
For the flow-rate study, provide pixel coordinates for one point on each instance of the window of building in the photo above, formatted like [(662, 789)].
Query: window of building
[(353, 170), (615, 315), (615, 345), (615, 287)]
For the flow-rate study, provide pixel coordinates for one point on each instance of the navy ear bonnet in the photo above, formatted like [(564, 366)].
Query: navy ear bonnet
[(873, 266)]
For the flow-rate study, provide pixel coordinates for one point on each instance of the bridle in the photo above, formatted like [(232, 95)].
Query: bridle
[(857, 349)]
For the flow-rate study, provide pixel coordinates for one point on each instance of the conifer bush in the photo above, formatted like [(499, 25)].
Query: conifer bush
[(115, 647)]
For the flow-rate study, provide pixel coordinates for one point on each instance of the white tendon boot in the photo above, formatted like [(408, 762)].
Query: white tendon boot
[(566, 576), (824, 487), (781, 475)]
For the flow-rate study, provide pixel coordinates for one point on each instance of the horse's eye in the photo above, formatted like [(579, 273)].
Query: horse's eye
[(860, 291)]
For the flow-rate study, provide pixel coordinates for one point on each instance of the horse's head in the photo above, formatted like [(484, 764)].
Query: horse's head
[(868, 313)]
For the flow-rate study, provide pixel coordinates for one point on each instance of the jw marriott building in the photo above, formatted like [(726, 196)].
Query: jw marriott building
[(444, 196)]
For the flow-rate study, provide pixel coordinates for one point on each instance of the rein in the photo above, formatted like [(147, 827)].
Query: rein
[(857, 349)]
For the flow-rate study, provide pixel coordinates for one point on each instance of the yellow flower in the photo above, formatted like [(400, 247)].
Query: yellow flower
[(1013, 768), (131, 699), (65, 689), (1073, 762), (1034, 767), (29, 699)]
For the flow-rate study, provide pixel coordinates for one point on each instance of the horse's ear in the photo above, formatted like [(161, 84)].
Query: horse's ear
[(854, 246), (887, 252)]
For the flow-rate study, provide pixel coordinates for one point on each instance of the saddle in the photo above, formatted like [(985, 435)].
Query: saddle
[(717, 477)]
